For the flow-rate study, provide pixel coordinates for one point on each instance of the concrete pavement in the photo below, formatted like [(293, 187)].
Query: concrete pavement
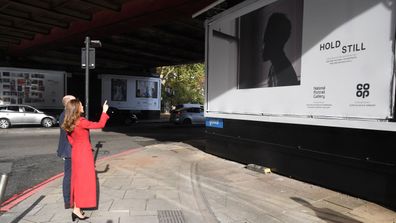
[(175, 182)]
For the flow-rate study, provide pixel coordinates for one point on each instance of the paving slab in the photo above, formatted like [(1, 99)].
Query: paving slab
[(174, 177)]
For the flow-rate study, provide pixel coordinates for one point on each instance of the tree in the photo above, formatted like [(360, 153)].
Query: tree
[(182, 84)]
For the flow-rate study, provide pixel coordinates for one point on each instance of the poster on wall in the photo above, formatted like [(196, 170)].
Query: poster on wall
[(270, 40), (146, 89), (39, 88), (318, 64), (118, 89)]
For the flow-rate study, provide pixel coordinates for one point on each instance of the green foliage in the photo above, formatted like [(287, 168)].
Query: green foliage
[(182, 84)]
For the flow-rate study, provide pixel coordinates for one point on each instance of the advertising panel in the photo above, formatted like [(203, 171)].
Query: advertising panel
[(299, 59), (146, 89), (118, 89), (131, 92), (38, 88)]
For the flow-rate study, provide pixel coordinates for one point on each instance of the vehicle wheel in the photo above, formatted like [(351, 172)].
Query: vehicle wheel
[(4, 123), (187, 121), (129, 121), (47, 123)]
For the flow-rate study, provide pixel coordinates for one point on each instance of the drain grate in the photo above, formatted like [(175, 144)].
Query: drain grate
[(170, 216)]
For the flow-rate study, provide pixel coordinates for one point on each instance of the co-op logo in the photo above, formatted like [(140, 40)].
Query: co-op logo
[(362, 90)]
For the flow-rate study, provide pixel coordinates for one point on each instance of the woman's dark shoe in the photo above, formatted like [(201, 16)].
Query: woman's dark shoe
[(74, 216)]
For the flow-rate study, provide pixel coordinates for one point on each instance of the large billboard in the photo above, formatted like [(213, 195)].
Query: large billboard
[(302, 61), (43, 89), (131, 92)]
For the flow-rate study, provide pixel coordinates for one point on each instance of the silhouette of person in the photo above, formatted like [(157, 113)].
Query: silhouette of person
[(276, 35)]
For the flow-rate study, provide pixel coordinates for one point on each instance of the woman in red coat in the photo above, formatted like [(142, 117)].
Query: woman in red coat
[(83, 177)]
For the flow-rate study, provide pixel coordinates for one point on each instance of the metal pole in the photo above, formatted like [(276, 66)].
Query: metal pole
[(3, 185), (87, 41)]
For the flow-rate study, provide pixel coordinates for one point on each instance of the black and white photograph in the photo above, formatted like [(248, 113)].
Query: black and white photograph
[(13, 85), (21, 81), (118, 89), (16, 74), (146, 89), (270, 45), (27, 92), (37, 76)]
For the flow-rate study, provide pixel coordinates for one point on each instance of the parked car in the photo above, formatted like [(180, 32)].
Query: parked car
[(194, 115), (188, 105), (121, 117), (24, 115)]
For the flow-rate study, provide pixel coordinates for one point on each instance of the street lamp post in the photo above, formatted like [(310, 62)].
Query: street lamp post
[(88, 62)]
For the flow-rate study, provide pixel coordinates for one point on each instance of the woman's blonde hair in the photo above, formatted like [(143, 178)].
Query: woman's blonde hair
[(72, 114)]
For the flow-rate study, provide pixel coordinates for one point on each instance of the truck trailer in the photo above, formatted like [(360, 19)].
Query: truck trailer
[(137, 94)]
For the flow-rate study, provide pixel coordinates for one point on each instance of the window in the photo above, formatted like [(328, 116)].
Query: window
[(194, 110), (29, 109), (3, 108), (13, 108)]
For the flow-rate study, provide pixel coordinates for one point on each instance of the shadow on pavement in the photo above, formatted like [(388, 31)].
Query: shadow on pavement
[(326, 214), (23, 214), (193, 135), (103, 171)]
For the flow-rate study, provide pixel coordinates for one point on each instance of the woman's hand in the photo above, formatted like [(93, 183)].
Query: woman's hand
[(105, 106)]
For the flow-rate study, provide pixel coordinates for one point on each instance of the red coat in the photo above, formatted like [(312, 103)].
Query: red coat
[(83, 175)]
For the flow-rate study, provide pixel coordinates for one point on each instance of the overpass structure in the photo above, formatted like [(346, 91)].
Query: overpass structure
[(136, 35)]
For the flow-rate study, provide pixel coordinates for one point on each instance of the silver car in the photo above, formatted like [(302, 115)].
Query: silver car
[(23, 115), (187, 116)]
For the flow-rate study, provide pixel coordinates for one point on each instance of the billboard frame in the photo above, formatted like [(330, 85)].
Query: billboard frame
[(316, 120)]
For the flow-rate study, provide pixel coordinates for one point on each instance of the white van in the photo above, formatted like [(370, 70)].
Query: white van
[(189, 105)]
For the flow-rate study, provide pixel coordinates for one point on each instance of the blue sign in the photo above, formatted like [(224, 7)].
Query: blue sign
[(214, 122)]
